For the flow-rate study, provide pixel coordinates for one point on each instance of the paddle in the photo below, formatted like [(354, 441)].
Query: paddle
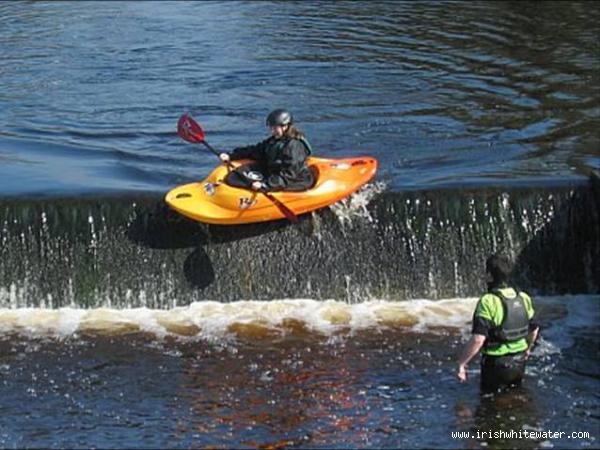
[(189, 130)]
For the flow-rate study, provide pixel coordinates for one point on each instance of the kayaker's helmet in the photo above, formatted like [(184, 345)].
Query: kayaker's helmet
[(279, 117)]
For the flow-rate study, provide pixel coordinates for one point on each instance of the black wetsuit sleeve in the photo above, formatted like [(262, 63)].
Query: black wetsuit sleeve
[(533, 324), (255, 152), (482, 326)]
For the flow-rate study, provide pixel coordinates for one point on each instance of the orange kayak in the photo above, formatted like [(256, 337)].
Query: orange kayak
[(212, 201)]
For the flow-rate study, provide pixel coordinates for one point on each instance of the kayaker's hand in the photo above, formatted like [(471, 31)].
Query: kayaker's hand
[(224, 157), (256, 185)]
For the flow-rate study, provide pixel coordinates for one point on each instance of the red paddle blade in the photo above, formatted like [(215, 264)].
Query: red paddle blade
[(189, 130)]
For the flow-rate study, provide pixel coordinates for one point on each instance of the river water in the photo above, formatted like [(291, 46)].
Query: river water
[(440, 93), (294, 373), (445, 95)]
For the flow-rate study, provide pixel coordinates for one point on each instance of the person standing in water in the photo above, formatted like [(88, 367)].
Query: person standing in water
[(279, 162), (503, 328)]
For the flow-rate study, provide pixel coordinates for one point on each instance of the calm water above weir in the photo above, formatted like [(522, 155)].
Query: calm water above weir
[(440, 93), (108, 337)]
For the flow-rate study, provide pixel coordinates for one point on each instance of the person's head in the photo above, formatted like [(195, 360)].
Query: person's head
[(498, 268), (281, 123)]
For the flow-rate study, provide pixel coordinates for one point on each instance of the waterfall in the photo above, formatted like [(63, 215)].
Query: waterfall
[(124, 251)]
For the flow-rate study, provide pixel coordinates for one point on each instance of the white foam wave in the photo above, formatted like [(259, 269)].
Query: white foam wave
[(210, 319), (215, 320), (355, 206)]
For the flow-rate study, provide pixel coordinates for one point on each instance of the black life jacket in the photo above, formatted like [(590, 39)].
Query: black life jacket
[(307, 146), (515, 323), (274, 148)]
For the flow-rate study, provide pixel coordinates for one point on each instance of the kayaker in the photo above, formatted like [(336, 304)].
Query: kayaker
[(280, 160), (503, 326)]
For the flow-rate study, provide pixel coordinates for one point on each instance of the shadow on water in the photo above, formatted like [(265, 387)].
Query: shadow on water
[(198, 269), (162, 228)]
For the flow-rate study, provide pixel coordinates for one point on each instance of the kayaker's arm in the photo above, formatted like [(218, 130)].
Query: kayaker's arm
[(249, 152)]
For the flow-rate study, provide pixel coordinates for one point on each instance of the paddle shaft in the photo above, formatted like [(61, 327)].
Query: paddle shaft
[(210, 147)]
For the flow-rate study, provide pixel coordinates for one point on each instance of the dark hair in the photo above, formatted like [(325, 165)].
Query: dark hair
[(499, 267), (293, 132)]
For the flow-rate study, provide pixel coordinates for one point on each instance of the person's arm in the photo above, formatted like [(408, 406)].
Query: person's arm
[(531, 338), (249, 152), (480, 332), (471, 349), (534, 327)]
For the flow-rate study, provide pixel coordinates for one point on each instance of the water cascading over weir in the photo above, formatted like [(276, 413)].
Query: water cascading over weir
[(125, 251)]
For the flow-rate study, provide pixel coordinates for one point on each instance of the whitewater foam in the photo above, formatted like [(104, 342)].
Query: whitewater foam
[(216, 320)]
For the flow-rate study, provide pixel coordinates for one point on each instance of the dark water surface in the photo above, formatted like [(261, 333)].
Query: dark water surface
[(440, 93), (290, 384)]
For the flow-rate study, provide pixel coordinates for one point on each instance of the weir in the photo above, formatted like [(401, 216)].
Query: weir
[(124, 251)]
